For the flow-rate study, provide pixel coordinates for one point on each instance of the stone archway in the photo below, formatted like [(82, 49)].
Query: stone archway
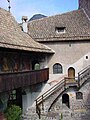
[(65, 100)]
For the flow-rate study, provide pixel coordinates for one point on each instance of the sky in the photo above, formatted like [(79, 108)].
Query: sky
[(29, 8)]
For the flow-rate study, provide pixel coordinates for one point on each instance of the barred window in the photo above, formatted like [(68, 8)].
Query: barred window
[(57, 68), (12, 95), (79, 95)]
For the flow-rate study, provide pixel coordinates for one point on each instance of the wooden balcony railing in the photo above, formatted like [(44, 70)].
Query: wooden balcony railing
[(56, 90), (83, 75), (13, 80), (61, 86)]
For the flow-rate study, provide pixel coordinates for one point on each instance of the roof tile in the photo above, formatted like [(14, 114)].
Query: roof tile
[(76, 23), (11, 35)]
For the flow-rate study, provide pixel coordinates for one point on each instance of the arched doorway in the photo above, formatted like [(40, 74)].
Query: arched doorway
[(65, 100), (71, 72), (35, 65)]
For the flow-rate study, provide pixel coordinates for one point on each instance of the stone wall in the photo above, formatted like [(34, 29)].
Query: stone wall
[(69, 55), (79, 104), (81, 107)]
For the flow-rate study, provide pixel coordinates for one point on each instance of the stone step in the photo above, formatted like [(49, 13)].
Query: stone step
[(30, 114), (67, 114)]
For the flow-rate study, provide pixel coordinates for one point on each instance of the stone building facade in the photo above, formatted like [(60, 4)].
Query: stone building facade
[(68, 35), (74, 104)]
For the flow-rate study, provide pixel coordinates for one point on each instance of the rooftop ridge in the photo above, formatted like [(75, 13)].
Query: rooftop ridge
[(56, 15)]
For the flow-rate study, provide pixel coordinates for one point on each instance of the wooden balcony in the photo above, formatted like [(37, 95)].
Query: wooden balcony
[(13, 80)]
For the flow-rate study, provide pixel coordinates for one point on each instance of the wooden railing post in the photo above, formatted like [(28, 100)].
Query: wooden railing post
[(42, 103), (36, 106), (38, 111), (83, 76), (64, 83), (78, 80)]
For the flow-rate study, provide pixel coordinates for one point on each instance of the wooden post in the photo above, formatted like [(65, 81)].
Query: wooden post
[(36, 106), (64, 83), (42, 103), (38, 111), (78, 80)]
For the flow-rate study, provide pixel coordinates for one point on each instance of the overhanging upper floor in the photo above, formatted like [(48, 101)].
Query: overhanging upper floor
[(14, 80)]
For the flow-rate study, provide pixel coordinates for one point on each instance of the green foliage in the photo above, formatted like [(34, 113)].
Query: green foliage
[(13, 112)]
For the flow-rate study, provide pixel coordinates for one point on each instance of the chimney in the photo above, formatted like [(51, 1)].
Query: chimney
[(85, 4), (24, 23)]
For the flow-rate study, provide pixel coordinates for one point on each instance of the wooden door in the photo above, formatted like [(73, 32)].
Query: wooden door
[(71, 74)]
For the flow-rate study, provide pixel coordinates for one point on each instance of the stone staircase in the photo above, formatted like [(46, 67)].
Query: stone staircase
[(48, 109), (30, 114), (55, 114)]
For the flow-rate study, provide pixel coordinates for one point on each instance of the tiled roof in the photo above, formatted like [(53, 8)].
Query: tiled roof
[(12, 37), (76, 24)]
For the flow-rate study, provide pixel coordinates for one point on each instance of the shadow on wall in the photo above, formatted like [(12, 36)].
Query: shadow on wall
[(31, 94), (81, 63)]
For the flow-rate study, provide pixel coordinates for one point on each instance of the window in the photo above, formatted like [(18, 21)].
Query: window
[(12, 95), (79, 95), (60, 29), (57, 68), (37, 66), (86, 57)]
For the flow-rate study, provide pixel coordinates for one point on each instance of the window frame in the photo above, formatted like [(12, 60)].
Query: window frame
[(79, 96), (60, 29), (57, 68), (12, 95)]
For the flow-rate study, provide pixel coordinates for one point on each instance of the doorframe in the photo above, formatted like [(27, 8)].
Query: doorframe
[(71, 72), (65, 100)]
